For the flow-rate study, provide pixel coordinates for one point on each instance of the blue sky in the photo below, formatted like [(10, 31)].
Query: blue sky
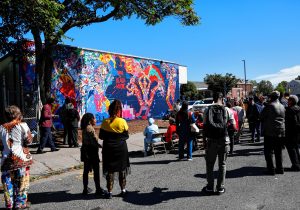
[(266, 33)]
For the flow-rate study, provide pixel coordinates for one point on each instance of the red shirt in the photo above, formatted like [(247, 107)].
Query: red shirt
[(46, 120), (170, 131)]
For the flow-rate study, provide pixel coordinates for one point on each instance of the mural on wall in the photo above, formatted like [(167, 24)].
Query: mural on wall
[(92, 79)]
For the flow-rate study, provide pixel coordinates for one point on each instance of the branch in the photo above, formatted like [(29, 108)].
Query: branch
[(70, 24)]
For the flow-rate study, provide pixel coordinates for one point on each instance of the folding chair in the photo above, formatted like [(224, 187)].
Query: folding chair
[(158, 145)]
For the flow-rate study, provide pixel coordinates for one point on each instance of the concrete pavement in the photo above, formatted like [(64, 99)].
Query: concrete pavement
[(66, 158)]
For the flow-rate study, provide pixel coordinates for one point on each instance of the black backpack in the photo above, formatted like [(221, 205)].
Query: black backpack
[(216, 125)]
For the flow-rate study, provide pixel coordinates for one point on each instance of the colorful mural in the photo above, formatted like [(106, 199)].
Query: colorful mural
[(92, 79)]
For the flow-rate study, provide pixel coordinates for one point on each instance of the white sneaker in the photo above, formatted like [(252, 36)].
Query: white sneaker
[(190, 159)]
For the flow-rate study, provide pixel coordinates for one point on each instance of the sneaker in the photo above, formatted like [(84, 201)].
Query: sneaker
[(100, 192), (54, 150), (123, 193), (220, 190), (108, 195), (86, 191), (208, 190), (190, 159)]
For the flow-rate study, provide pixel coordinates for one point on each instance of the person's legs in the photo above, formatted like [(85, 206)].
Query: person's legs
[(257, 127), (211, 155), (268, 149), (252, 130), (231, 138), (85, 177), (43, 139), (65, 133), (22, 186), (8, 189), (278, 155), (75, 136), (145, 146), (222, 157), (190, 149), (181, 148), (110, 181), (70, 136), (122, 180)]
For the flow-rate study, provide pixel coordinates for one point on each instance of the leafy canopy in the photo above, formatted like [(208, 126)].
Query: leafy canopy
[(53, 18), (220, 83), (264, 87), (189, 91)]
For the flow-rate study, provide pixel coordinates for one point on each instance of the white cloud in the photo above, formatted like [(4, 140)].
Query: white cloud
[(287, 74)]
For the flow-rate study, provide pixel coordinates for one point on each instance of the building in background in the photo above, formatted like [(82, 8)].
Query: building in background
[(92, 79), (293, 87), (202, 87)]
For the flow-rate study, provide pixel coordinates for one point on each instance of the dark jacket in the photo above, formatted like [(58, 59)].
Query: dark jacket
[(72, 118), (273, 117), (290, 122)]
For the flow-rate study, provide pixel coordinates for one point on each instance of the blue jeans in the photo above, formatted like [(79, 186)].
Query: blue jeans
[(189, 147), (46, 137)]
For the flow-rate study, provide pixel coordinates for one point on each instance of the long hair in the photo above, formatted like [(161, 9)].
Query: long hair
[(86, 120), (115, 109), (13, 113)]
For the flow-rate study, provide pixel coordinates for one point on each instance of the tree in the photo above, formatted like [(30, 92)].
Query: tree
[(264, 87), (219, 83), (281, 87), (253, 82), (188, 91), (49, 20)]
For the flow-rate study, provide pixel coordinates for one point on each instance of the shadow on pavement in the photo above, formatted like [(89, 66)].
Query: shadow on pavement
[(158, 196), (247, 152), (152, 162), (58, 196), (240, 172)]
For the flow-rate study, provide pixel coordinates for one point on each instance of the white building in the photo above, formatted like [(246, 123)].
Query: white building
[(293, 87)]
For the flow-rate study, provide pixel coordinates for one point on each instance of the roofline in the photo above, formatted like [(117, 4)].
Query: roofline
[(128, 55)]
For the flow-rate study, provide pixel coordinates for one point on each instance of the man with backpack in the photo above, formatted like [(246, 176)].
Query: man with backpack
[(216, 141), (292, 131)]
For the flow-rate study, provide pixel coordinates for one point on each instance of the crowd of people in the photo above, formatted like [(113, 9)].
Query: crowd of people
[(277, 120)]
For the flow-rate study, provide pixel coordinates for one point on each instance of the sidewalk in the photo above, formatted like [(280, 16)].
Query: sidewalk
[(67, 158)]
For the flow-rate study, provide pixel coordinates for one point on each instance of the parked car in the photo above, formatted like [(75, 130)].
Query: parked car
[(191, 103), (202, 104)]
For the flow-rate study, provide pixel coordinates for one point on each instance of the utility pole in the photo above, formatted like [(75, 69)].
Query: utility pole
[(245, 75)]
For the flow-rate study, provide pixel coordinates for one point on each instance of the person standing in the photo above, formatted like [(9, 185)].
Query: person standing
[(90, 153), (149, 130), (253, 119), (63, 119), (241, 117), (215, 137), (292, 127), (115, 158), (184, 119), (46, 125), (16, 159), (232, 128), (273, 117), (73, 117)]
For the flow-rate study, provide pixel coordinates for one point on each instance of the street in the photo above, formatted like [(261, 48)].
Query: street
[(163, 182)]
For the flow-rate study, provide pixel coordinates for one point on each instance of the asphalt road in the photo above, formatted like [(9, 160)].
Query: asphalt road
[(162, 182)]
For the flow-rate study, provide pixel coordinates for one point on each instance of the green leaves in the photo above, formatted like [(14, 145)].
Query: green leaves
[(219, 83)]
